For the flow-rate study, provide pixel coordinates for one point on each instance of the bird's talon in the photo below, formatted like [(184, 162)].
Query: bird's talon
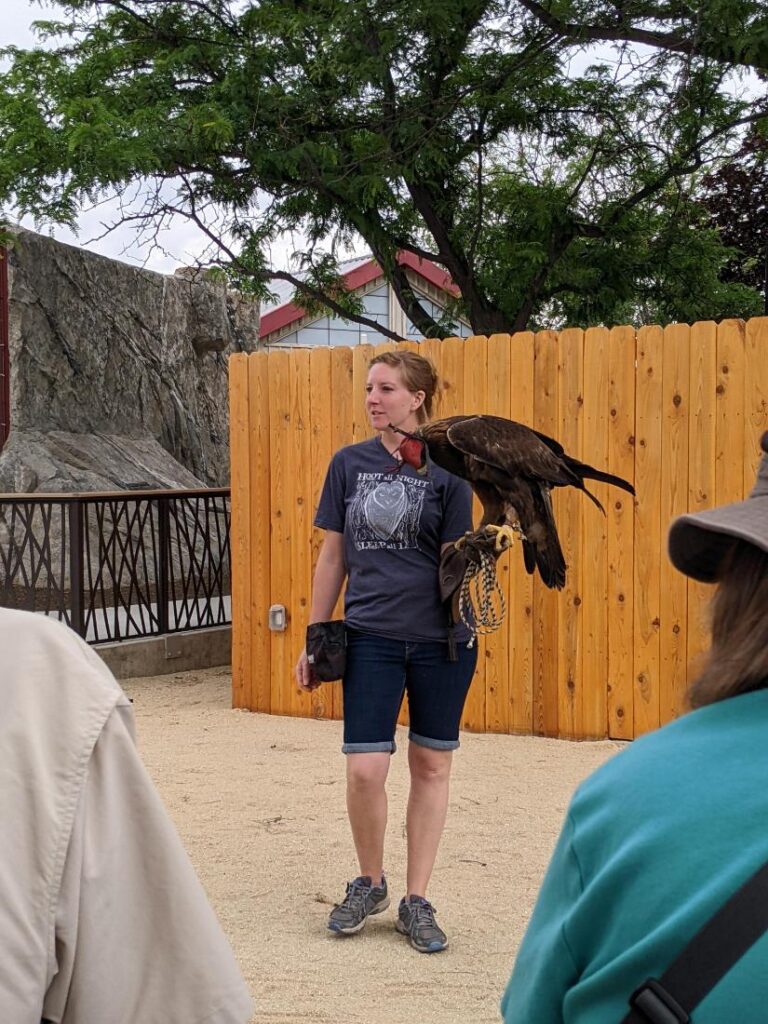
[(505, 536)]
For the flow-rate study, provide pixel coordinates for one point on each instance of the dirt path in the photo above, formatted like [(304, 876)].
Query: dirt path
[(259, 802)]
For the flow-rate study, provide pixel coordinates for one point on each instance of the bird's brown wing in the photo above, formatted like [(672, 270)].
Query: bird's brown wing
[(509, 446)]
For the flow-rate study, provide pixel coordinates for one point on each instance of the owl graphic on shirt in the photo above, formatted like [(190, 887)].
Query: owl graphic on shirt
[(385, 511)]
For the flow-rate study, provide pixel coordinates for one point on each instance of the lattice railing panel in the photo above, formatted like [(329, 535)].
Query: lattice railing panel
[(199, 549), (117, 566), (34, 562)]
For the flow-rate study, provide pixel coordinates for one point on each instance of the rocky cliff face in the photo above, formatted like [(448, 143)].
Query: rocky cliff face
[(101, 348)]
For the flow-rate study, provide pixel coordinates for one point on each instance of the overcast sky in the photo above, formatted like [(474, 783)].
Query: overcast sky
[(182, 243)]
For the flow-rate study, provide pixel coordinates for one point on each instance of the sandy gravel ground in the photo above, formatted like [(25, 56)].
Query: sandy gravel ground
[(259, 803)]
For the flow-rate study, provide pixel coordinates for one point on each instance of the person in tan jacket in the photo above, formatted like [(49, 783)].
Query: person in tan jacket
[(102, 917)]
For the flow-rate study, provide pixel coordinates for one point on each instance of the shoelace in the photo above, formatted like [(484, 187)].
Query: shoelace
[(356, 893), (423, 914)]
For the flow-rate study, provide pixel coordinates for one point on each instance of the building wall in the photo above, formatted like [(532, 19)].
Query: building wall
[(378, 305)]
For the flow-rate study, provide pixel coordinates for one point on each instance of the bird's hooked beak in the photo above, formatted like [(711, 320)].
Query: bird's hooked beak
[(399, 430)]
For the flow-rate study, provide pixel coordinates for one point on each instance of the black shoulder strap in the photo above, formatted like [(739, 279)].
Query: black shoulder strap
[(710, 954)]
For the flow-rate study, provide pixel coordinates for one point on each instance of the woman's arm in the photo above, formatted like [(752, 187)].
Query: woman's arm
[(326, 587), (329, 576)]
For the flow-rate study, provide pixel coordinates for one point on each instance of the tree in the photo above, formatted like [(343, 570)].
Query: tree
[(554, 183), (736, 198)]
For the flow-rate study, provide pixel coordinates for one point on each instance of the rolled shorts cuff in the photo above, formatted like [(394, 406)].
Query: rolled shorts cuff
[(425, 741), (383, 747)]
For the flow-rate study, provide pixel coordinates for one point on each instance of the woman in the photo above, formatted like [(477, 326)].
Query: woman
[(385, 528), (658, 839)]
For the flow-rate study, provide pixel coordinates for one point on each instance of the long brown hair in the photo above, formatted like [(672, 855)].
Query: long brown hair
[(737, 661), (418, 374)]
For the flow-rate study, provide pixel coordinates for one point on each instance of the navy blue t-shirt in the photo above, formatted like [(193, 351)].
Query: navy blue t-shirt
[(394, 525)]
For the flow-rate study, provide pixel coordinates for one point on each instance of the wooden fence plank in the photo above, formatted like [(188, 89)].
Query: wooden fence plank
[(321, 450), (674, 501), (452, 399), (342, 416), (521, 397), (260, 457), (281, 443), (594, 549), (409, 346), (701, 476), (755, 396), (568, 515), (240, 506), (647, 528), (497, 702), (475, 399), (622, 347), (730, 388), (388, 346), (452, 371), (431, 349), (300, 528), (361, 425), (545, 601)]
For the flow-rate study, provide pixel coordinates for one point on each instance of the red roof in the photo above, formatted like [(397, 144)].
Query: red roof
[(356, 278)]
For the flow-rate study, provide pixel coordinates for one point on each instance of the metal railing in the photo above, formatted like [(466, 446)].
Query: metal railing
[(119, 565)]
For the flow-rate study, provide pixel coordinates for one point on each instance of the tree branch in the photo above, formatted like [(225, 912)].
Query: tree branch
[(674, 42), (277, 275), (483, 317)]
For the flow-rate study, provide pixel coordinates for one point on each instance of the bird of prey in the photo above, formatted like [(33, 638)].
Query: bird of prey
[(512, 470)]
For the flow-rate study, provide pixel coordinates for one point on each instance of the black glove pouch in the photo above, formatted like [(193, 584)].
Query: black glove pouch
[(327, 650), (453, 565)]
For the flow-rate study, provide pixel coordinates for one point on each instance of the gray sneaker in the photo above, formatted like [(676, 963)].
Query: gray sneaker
[(416, 919), (362, 900)]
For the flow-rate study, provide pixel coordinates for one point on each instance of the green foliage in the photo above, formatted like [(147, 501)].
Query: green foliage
[(735, 198), (474, 132)]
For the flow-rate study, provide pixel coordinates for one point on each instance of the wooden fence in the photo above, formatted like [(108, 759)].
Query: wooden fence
[(679, 411)]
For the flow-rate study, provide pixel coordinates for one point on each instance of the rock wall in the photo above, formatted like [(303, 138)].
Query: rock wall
[(55, 462), (98, 347)]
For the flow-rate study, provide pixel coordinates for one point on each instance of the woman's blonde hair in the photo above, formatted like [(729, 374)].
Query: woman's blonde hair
[(418, 374), (737, 661)]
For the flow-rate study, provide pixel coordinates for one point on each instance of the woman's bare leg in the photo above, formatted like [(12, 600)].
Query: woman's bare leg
[(367, 809), (427, 808)]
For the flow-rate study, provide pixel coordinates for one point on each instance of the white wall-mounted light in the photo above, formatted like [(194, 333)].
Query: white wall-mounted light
[(278, 618)]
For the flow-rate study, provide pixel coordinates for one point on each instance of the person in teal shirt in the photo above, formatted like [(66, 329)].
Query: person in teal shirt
[(660, 837)]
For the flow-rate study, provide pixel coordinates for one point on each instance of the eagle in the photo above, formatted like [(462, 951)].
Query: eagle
[(512, 469)]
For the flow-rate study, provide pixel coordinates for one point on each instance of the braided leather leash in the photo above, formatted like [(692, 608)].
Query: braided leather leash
[(481, 595)]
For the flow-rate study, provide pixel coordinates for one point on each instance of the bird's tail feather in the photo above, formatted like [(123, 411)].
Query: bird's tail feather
[(591, 496), (587, 472)]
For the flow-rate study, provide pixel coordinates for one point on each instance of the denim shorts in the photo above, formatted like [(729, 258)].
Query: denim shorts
[(380, 670)]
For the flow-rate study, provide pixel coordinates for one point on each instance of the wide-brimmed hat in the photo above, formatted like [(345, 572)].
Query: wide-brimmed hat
[(699, 541)]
